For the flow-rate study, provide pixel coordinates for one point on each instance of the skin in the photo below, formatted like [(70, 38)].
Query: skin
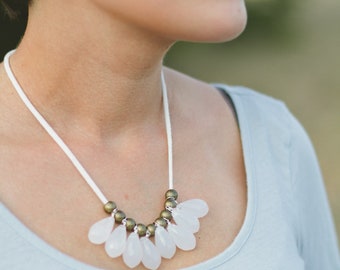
[(92, 68)]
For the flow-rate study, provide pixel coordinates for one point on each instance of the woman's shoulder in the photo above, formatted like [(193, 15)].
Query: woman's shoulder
[(206, 97), (197, 98)]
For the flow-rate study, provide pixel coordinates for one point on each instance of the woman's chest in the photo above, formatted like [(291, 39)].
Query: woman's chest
[(52, 200)]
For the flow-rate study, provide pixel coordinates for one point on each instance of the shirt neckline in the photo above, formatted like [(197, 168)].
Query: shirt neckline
[(234, 94)]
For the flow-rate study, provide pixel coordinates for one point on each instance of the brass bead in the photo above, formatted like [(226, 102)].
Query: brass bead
[(166, 214), (109, 207), (161, 222), (171, 193), (170, 203), (151, 229), (130, 224), (119, 216), (141, 229)]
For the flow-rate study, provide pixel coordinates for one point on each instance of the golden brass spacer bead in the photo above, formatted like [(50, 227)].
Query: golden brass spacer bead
[(141, 229), (170, 203), (171, 193), (151, 229), (166, 214), (109, 207), (119, 216), (161, 222), (130, 224)]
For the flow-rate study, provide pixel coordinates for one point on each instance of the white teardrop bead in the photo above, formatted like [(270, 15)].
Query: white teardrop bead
[(184, 218), (197, 207), (133, 252), (101, 230), (164, 243), (151, 257), (115, 244), (183, 238)]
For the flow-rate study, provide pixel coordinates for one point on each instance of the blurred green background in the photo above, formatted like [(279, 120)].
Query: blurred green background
[(290, 50)]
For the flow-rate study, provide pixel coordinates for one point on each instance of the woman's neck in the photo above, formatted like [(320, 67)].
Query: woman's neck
[(101, 76)]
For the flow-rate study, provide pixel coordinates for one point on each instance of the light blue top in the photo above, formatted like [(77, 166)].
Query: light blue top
[(288, 224)]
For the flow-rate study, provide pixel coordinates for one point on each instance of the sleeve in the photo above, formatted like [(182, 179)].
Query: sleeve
[(317, 240)]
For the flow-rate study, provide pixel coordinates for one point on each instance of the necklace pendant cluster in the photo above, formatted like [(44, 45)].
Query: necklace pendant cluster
[(174, 228), (122, 236)]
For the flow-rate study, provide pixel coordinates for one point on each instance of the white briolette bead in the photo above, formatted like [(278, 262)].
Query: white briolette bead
[(196, 207), (115, 244), (184, 218), (183, 238), (151, 257), (101, 230), (164, 243), (133, 252)]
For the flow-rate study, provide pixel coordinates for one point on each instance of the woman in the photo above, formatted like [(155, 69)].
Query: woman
[(93, 69)]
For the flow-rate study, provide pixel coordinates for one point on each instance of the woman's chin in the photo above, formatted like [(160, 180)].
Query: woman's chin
[(221, 26), (216, 32)]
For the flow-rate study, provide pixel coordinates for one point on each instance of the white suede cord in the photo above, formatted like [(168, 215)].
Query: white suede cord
[(67, 150)]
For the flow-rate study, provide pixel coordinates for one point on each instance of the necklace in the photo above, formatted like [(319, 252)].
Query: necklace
[(174, 227)]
